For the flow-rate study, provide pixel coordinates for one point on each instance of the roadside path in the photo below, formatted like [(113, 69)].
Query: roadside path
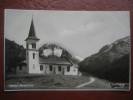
[(86, 83)]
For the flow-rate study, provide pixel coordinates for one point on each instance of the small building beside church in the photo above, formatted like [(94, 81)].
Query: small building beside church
[(52, 63)]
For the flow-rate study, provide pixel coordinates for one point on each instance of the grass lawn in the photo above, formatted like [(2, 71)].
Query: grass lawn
[(54, 82), (46, 82)]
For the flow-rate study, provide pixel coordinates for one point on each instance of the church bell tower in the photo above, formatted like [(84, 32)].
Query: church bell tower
[(32, 54)]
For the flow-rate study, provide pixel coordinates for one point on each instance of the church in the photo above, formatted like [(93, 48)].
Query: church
[(35, 64)]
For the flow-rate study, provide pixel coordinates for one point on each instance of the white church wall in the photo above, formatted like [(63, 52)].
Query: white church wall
[(48, 69), (57, 69), (73, 71), (43, 71), (34, 63)]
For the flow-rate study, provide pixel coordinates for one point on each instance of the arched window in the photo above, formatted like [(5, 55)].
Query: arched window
[(33, 45), (50, 67), (68, 68), (59, 68), (33, 55), (41, 67)]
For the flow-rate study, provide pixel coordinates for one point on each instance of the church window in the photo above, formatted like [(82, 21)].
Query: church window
[(59, 68), (41, 67), (68, 68), (33, 45), (50, 67), (33, 55)]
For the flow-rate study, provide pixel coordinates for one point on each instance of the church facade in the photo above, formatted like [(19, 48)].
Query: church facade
[(47, 65)]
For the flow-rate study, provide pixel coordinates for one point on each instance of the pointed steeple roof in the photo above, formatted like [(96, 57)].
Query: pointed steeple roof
[(32, 33)]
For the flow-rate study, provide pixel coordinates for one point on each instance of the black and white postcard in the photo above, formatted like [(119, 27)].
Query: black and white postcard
[(66, 50)]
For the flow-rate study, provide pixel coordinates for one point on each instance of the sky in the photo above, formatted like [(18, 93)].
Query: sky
[(82, 33)]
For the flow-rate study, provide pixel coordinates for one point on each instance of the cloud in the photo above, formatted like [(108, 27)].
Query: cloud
[(82, 29)]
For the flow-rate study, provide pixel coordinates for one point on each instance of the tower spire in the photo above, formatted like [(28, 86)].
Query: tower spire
[(32, 33), (32, 30)]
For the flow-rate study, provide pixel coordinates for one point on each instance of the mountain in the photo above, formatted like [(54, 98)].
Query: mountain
[(111, 62), (14, 55)]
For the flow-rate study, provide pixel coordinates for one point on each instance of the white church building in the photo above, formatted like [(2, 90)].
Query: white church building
[(48, 65)]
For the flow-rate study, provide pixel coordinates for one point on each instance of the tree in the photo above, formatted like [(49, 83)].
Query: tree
[(14, 55)]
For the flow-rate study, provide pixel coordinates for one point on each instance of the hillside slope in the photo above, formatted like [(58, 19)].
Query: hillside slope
[(111, 62), (14, 54)]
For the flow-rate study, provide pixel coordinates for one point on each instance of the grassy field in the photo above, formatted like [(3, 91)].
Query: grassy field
[(54, 82), (46, 82)]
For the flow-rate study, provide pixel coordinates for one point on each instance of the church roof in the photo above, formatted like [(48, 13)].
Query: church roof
[(32, 33), (54, 60)]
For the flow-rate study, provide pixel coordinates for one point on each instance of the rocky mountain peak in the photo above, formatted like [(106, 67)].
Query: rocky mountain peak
[(117, 49), (111, 62)]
